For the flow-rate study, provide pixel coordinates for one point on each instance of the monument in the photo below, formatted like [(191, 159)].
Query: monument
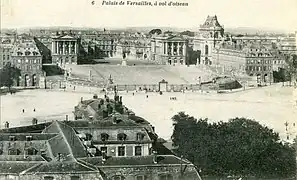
[(124, 62)]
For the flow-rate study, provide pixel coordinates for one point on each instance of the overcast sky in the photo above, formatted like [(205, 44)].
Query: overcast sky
[(274, 14)]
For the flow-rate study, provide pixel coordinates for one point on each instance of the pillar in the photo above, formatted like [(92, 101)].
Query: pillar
[(75, 47), (69, 47), (57, 47), (184, 49), (178, 46), (172, 46), (63, 47), (53, 46)]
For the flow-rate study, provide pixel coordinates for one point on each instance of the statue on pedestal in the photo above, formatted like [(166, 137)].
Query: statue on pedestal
[(124, 62)]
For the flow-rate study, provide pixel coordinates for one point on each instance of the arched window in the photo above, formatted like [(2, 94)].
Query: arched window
[(104, 137), (122, 137), (206, 49)]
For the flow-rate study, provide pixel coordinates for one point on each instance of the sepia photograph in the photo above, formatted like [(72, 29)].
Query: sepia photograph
[(148, 90)]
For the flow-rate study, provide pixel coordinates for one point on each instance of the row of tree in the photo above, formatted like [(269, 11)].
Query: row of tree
[(240, 147)]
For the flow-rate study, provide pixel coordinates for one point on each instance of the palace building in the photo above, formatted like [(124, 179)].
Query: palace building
[(169, 49), (210, 33), (26, 56), (64, 49), (134, 48), (254, 59)]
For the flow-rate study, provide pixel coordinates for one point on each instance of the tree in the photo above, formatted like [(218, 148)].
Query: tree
[(240, 147), (188, 33), (291, 69), (8, 75), (155, 31)]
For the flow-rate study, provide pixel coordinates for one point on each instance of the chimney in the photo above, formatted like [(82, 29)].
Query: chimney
[(66, 119), (103, 157), (105, 113), (81, 99), (155, 157), (114, 120), (101, 101), (6, 125), (34, 121)]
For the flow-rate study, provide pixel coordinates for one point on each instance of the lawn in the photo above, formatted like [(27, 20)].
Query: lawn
[(271, 106)]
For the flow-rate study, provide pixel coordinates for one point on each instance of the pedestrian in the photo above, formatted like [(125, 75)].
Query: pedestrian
[(146, 96), (133, 94), (23, 110), (34, 110)]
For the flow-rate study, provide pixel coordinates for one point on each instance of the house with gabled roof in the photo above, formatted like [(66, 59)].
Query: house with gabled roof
[(107, 142)]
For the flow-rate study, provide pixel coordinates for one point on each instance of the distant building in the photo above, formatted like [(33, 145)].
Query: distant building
[(287, 45), (5, 54), (253, 60), (64, 49), (26, 56), (210, 33), (134, 48), (169, 49), (296, 41)]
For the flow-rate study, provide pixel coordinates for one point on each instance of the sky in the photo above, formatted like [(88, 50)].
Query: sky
[(267, 14)]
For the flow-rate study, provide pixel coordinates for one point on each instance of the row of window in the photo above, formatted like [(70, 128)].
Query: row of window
[(265, 61), (119, 177), (143, 177), (4, 57), (52, 178), (121, 150), (258, 68), (28, 68), (30, 61), (28, 53), (14, 151), (122, 136)]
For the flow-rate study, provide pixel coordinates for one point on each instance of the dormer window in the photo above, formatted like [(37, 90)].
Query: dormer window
[(13, 151), (139, 136), (28, 138), (12, 138), (104, 137), (122, 137)]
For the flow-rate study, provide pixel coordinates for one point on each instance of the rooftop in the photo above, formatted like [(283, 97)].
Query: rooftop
[(136, 160), (211, 22)]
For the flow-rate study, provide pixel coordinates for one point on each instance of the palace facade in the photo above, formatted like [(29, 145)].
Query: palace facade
[(64, 49), (26, 56), (209, 35), (169, 49)]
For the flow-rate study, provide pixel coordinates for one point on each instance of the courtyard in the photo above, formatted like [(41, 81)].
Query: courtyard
[(272, 106)]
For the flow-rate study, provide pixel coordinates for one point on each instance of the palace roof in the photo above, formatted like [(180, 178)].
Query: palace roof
[(211, 22)]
